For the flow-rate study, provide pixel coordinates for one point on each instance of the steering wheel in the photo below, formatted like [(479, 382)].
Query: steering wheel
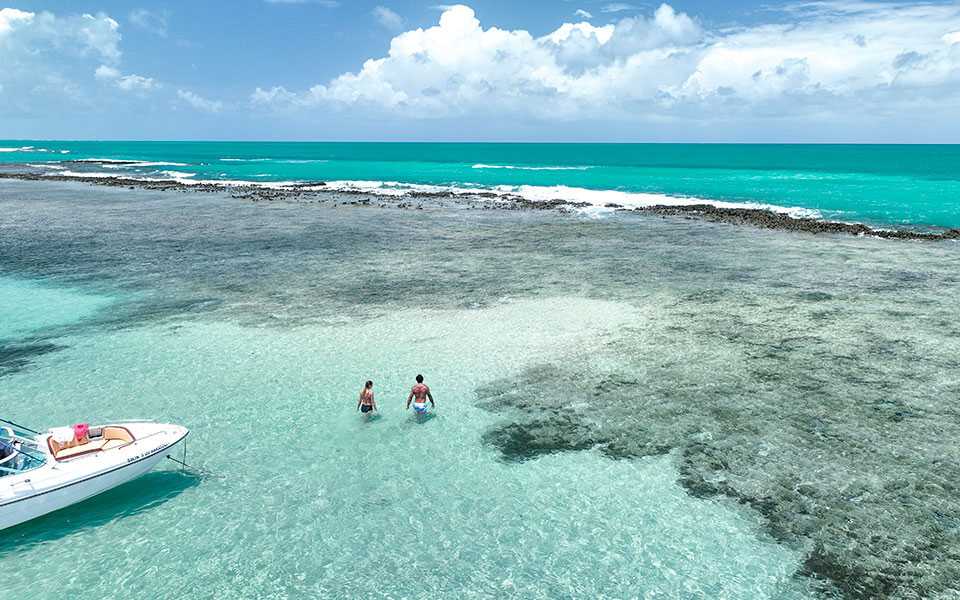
[(13, 451)]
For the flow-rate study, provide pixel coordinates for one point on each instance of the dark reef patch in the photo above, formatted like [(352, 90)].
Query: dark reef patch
[(767, 219), (307, 192), (843, 456), (518, 443), (18, 356), (815, 296)]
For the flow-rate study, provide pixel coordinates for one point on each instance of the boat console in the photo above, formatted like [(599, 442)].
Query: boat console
[(8, 452), (17, 453)]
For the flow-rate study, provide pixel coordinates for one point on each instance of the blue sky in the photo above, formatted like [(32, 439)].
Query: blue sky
[(838, 70)]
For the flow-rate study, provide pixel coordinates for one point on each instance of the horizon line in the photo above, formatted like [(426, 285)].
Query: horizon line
[(427, 141)]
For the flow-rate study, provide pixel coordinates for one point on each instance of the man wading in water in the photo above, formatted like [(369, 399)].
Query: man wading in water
[(367, 404), (419, 395)]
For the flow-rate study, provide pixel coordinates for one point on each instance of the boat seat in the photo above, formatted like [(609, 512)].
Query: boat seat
[(113, 432), (74, 451), (111, 444), (110, 437)]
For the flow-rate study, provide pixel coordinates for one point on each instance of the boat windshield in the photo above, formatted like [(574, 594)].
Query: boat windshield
[(18, 452)]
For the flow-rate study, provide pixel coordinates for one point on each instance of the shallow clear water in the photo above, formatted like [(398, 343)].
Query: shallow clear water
[(310, 499), (628, 407), (29, 306), (886, 185)]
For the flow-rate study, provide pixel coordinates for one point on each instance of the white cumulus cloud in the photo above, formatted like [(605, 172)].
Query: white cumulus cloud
[(98, 33), (152, 21), (275, 96), (50, 63), (10, 16), (388, 19), (127, 83), (106, 73), (25, 33), (137, 83), (42, 57), (831, 57), (200, 103), (616, 7)]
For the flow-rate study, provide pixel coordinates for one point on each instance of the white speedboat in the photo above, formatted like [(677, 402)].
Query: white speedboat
[(44, 472)]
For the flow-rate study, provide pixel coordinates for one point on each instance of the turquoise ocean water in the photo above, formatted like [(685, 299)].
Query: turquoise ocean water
[(628, 407), (881, 185)]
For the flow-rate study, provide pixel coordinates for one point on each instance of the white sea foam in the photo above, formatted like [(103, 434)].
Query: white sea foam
[(98, 175), (28, 149), (101, 160), (158, 163), (131, 163), (603, 198), (91, 175), (587, 201), (385, 188), (528, 168), (288, 161), (179, 177), (47, 166), (178, 174), (270, 185), (595, 202)]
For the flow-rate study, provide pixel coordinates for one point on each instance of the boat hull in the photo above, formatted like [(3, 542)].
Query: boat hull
[(59, 485)]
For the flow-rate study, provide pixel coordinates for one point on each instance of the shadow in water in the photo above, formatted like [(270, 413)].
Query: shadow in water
[(424, 418), (139, 495)]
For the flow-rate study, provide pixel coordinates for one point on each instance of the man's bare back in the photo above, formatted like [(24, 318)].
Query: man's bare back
[(419, 395), (420, 392)]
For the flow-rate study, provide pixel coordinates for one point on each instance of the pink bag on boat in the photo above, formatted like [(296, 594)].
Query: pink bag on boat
[(81, 431)]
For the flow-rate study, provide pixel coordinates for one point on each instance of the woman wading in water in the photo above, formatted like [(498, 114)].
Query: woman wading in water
[(367, 404)]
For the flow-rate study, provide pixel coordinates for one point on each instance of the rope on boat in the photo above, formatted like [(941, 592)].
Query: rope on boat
[(186, 466), (191, 468), (19, 426)]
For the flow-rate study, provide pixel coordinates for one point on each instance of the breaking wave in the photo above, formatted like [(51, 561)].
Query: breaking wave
[(131, 163), (33, 149), (529, 168), (585, 200)]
